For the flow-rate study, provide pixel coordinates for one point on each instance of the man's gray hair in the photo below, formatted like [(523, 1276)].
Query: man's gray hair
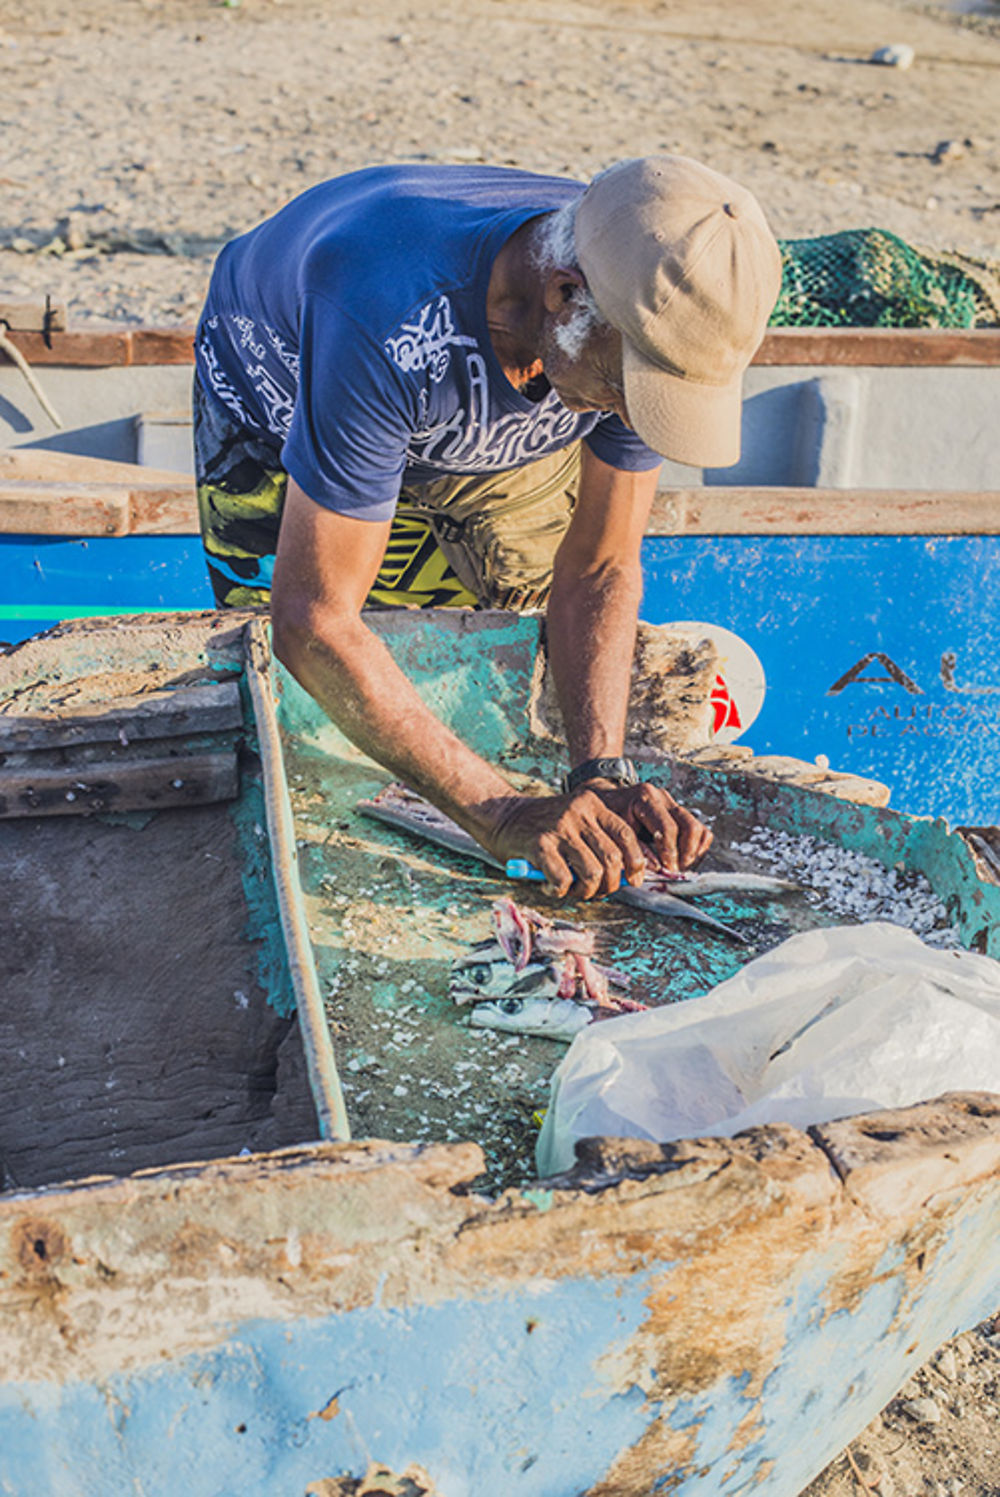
[(553, 247)]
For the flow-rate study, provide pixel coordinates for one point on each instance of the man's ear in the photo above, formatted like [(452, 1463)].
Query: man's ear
[(561, 285)]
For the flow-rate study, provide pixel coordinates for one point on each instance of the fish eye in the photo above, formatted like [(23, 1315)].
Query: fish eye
[(510, 1005), (479, 975)]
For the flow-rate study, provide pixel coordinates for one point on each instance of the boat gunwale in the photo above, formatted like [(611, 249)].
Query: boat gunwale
[(115, 510), (321, 1065), (110, 345)]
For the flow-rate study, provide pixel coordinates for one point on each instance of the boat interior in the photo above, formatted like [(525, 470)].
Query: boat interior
[(211, 948)]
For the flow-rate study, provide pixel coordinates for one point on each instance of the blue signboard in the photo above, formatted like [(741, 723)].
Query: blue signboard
[(881, 652)]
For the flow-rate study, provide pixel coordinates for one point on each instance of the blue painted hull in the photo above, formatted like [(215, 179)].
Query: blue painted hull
[(881, 611), (49, 578), (655, 1337), (511, 1394), (715, 1315)]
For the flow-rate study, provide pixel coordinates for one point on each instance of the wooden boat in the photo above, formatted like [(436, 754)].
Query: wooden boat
[(216, 970), (854, 549)]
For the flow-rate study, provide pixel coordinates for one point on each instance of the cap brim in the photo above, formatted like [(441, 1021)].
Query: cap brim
[(685, 421)]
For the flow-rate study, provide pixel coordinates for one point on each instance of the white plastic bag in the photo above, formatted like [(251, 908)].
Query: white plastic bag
[(832, 1022)]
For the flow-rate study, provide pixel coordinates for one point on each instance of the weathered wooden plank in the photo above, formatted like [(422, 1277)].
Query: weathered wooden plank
[(893, 1167), (64, 509), (106, 347), (209, 708), (788, 771), (67, 508), (32, 317), (162, 345), (164, 510), (117, 785), (41, 465), (857, 347), (881, 347), (84, 350), (810, 511)]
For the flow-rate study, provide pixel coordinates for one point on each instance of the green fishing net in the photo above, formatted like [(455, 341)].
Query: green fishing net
[(871, 278)]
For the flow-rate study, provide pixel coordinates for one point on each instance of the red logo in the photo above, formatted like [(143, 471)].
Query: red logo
[(723, 707)]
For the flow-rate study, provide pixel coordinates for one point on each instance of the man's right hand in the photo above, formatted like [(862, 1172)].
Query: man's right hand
[(574, 839)]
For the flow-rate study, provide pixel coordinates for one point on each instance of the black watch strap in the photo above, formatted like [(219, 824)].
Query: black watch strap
[(622, 771)]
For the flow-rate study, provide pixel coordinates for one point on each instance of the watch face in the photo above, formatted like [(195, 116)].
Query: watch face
[(622, 770)]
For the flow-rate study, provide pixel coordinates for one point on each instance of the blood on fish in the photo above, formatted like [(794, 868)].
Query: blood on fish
[(530, 975)]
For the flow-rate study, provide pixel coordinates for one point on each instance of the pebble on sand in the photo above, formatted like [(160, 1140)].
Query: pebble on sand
[(895, 55), (922, 1410)]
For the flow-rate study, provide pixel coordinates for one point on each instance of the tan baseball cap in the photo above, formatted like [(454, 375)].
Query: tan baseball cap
[(682, 262)]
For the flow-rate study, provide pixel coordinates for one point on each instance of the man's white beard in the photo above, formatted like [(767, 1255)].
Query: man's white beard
[(571, 336)]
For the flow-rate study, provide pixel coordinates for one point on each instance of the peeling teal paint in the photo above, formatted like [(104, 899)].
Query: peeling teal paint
[(263, 925), (542, 1199), (474, 672)]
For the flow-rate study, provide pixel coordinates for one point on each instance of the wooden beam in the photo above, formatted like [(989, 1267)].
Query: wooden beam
[(64, 509), (99, 509), (181, 711), (164, 511), (99, 349), (168, 506), (808, 511), (816, 347), (32, 317), (106, 347), (41, 465), (881, 347), (139, 785), (163, 345)]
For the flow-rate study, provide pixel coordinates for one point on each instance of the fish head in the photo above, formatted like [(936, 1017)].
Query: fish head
[(545, 1018), (487, 972)]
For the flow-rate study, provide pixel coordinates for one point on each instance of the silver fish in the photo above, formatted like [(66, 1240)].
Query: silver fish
[(488, 972), (552, 1019), (689, 885), (661, 894), (536, 976)]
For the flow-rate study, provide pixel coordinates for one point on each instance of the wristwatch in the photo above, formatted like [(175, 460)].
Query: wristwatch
[(622, 771)]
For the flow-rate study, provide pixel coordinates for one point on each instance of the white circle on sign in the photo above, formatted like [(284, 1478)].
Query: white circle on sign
[(740, 683)]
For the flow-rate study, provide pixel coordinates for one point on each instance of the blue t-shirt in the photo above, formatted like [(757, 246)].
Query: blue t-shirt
[(351, 328)]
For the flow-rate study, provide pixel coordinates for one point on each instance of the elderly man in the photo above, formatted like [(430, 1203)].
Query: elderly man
[(426, 385)]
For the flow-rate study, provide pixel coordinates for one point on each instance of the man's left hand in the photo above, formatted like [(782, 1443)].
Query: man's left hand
[(676, 839)]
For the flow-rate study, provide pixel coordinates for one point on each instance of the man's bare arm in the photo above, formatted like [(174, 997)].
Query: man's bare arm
[(597, 588), (324, 568)]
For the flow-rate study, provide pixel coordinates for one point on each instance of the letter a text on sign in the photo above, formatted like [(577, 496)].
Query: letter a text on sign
[(895, 676)]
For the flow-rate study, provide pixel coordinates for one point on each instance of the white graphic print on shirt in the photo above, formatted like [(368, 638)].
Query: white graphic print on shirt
[(427, 343), (469, 441), (475, 437)]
